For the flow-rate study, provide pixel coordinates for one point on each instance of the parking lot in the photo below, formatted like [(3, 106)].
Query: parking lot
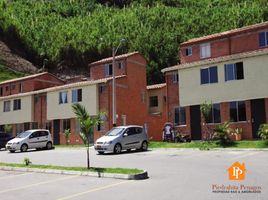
[(174, 174)]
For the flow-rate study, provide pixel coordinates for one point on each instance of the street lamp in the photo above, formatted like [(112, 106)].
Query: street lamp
[(114, 86)]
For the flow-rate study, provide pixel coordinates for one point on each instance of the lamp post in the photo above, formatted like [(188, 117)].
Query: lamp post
[(114, 86)]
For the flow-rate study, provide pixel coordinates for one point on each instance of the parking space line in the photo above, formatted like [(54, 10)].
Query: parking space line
[(14, 176), (36, 184), (93, 190), (244, 155)]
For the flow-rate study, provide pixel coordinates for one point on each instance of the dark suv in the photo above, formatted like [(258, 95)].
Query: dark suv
[(4, 138)]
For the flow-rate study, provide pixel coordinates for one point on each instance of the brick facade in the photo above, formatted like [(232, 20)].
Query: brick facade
[(224, 44)]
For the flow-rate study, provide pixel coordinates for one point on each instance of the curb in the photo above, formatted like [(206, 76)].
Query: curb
[(140, 176)]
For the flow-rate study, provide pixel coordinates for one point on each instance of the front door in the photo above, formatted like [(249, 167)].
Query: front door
[(56, 131), (258, 115), (195, 122)]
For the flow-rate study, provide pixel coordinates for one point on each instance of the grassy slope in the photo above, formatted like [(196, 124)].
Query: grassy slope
[(6, 74)]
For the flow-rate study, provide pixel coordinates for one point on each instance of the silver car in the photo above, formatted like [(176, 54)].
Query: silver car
[(122, 138), (31, 139)]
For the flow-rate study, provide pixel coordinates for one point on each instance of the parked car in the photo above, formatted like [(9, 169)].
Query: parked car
[(4, 138), (31, 139), (122, 138)]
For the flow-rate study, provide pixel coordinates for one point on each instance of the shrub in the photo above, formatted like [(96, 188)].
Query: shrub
[(263, 131), (26, 161), (222, 133), (67, 133)]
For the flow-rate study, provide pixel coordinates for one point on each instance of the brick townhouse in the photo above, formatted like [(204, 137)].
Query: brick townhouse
[(228, 69), (49, 106)]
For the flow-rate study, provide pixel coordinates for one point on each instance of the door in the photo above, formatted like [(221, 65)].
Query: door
[(26, 126), (128, 141), (43, 138), (195, 122), (56, 131), (34, 140), (258, 115)]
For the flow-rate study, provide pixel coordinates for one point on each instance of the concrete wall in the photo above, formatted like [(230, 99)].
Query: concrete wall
[(25, 114), (64, 111), (253, 86)]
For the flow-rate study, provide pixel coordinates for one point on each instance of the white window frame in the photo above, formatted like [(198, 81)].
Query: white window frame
[(205, 50), (6, 107)]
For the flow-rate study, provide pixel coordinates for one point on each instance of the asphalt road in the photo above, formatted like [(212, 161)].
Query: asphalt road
[(174, 174)]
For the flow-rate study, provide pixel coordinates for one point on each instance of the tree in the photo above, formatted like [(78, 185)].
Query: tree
[(87, 124), (206, 109)]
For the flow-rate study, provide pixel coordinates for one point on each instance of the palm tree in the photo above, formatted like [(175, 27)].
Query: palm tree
[(87, 124)]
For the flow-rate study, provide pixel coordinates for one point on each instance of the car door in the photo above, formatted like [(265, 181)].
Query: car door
[(129, 138), (43, 139), (34, 140)]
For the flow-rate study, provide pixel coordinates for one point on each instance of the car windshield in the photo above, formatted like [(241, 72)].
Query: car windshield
[(24, 134), (114, 132)]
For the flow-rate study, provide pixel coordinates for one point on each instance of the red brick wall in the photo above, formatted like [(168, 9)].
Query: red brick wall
[(98, 71), (31, 84), (40, 110), (230, 44), (74, 136), (172, 97)]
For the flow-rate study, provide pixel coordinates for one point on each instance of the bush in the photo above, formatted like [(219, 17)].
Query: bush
[(26, 161), (222, 133), (263, 131)]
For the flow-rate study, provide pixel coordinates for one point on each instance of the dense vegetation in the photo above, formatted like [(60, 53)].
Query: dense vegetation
[(75, 32), (7, 74)]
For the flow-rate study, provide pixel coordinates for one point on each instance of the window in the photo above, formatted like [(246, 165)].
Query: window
[(66, 124), (102, 88), (205, 50), (263, 39), (234, 71), (19, 128), (13, 86), (175, 77), (209, 75), (7, 88), (16, 104), (215, 114), (238, 111), (49, 126), (1, 91), (20, 87), (63, 97), (34, 125), (180, 116), (154, 101), (77, 95), (6, 106), (120, 65), (188, 51), (108, 68)]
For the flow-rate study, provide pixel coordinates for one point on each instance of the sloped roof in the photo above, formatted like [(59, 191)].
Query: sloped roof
[(62, 87), (226, 33), (156, 86), (28, 77), (110, 59), (217, 60)]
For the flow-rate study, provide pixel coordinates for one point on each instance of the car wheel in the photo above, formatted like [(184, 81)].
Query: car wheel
[(11, 151), (24, 148), (128, 150), (144, 146), (117, 148), (101, 152), (49, 145)]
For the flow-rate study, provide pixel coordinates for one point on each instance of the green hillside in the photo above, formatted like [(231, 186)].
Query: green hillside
[(75, 32), (6, 74)]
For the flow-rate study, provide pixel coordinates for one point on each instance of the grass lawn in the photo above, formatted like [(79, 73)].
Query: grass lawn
[(211, 144), (80, 169)]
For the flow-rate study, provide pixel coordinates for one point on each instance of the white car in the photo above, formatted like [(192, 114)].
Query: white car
[(31, 139), (122, 138)]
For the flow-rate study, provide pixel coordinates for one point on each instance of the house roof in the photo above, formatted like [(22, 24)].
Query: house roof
[(28, 77), (62, 87), (110, 59), (217, 60), (226, 33), (156, 86)]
